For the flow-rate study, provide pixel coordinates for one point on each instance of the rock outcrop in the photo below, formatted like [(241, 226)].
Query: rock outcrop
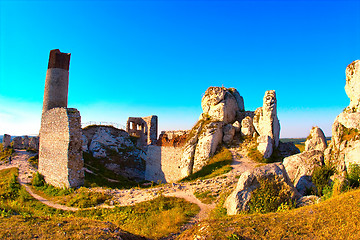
[(267, 124), (300, 168), (316, 140), (344, 148), (229, 133), (239, 199), (6, 141), (18, 143), (247, 127), (114, 148)]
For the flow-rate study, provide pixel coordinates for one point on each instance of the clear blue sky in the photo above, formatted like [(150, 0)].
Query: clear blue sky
[(137, 58)]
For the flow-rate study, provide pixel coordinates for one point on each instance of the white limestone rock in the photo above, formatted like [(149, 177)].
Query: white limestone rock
[(6, 141), (316, 140), (237, 126), (352, 153), (239, 199), (209, 139), (220, 104), (247, 127), (352, 87), (239, 98), (229, 133), (300, 168), (265, 146), (85, 143)]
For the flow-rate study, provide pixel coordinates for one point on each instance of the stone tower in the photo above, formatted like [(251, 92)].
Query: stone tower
[(60, 150), (145, 128), (57, 80)]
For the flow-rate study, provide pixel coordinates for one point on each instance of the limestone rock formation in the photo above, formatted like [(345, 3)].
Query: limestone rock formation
[(26, 141), (237, 126), (239, 199), (300, 168), (229, 133), (352, 87), (247, 127), (267, 124), (221, 105), (316, 140), (18, 143), (344, 148), (115, 150), (287, 149), (209, 139), (34, 143), (6, 141)]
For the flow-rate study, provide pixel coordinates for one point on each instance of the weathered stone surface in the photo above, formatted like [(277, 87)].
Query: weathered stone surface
[(247, 127), (145, 128), (60, 153), (220, 104), (239, 99), (307, 200), (26, 141), (6, 141), (239, 199), (316, 140), (352, 153), (265, 145), (209, 139), (229, 133), (18, 143), (266, 122), (237, 126), (85, 143), (352, 87), (172, 138), (34, 143), (300, 168)]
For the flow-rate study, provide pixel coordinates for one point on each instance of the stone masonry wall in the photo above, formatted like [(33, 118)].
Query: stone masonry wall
[(162, 163), (60, 155)]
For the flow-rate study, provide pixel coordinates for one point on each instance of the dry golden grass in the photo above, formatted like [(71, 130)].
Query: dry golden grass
[(336, 218)]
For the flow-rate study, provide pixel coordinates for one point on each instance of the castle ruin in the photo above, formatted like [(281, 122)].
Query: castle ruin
[(60, 150), (144, 128)]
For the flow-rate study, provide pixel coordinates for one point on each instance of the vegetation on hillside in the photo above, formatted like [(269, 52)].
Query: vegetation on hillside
[(5, 153)]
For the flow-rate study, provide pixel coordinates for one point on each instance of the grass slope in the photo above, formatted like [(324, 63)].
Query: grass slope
[(335, 218)]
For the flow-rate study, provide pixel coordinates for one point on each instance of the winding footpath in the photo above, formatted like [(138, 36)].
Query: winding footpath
[(125, 197)]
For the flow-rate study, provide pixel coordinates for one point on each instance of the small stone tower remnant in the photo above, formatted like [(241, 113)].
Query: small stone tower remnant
[(60, 151), (145, 128)]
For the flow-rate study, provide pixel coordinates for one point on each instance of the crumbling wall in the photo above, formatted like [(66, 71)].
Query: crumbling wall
[(145, 128), (163, 163), (60, 155)]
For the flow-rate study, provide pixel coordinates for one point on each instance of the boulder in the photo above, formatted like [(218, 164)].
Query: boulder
[(316, 140), (26, 141), (210, 137), (287, 149), (237, 126), (247, 127), (228, 133), (352, 86), (220, 104), (239, 199), (300, 168), (18, 143), (6, 141), (265, 145), (307, 200), (266, 122), (34, 143)]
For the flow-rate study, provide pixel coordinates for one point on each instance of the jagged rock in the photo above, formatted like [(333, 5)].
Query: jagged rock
[(210, 137), (18, 143), (34, 143), (352, 87), (229, 133), (239, 199), (316, 140), (300, 168), (266, 122), (85, 143), (287, 149), (220, 104), (6, 141), (265, 145), (239, 99), (247, 127), (344, 147), (237, 126), (26, 141)]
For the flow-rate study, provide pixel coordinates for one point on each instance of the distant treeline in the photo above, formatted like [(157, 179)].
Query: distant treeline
[(298, 140)]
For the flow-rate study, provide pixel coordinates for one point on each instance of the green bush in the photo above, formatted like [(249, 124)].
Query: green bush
[(84, 199), (34, 161), (5, 153), (353, 175), (272, 195), (321, 177), (38, 180)]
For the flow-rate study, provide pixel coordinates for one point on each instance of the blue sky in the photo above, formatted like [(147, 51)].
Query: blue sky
[(138, 58)]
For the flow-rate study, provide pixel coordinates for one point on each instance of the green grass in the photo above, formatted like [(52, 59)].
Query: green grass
[(206, 197), (22, 217), (34, 161), (5, 153), (335, 218), (218, 164)]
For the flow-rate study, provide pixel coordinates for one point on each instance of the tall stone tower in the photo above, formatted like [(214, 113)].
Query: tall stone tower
[(60, 150)]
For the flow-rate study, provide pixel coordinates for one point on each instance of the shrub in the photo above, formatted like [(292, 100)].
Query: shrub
[(272, 195), (5, 153), (38, 180), (321, 177), (84, 198), (34, 161), (353, 175)]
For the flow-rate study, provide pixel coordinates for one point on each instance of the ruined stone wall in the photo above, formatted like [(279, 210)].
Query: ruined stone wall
[(162, 163), (145, 128), (60, 155), (6, 141)]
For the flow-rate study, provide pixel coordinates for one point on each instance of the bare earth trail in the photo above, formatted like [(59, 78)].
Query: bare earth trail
[(125, 197)]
